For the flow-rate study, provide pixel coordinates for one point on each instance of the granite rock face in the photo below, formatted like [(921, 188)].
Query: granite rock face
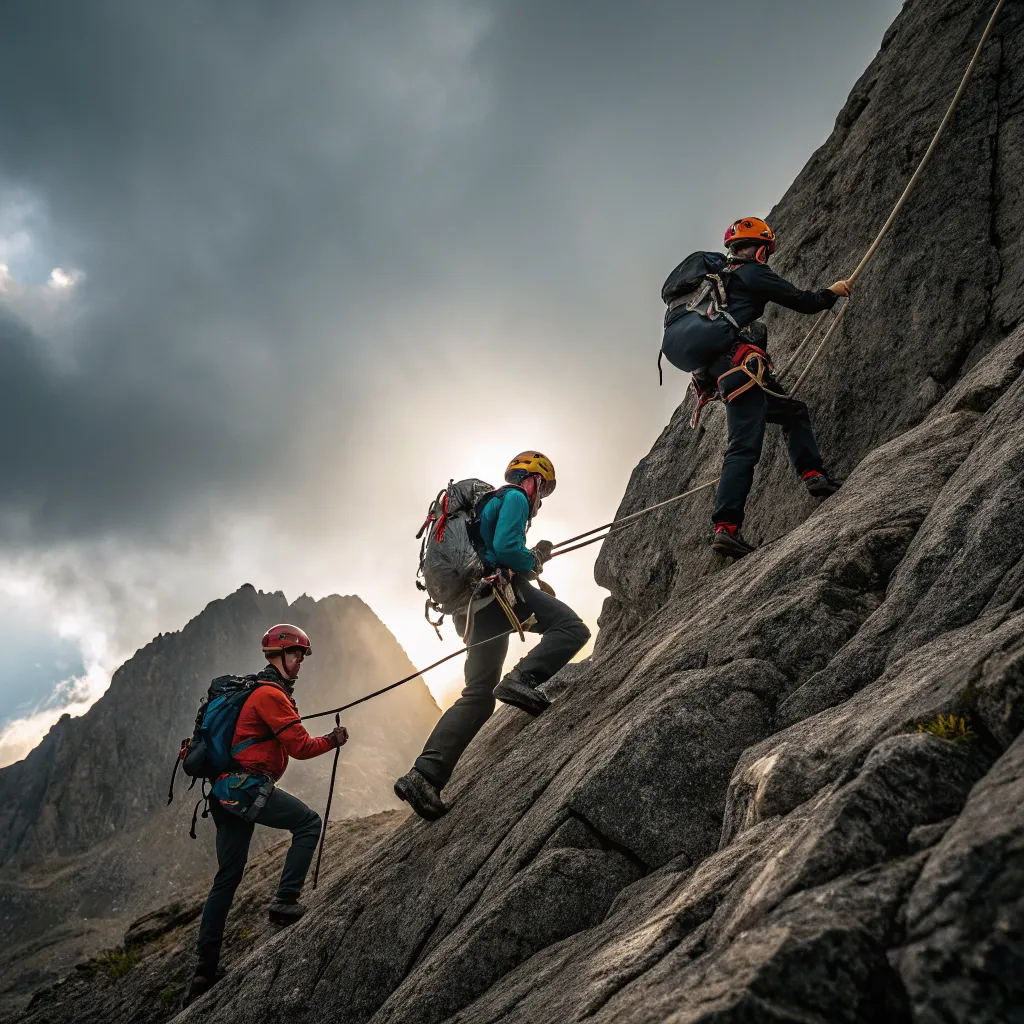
[(745, 806)]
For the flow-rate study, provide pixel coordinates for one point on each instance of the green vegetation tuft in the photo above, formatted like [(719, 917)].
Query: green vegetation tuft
[(952, 728), (169, 997), (116, 963)]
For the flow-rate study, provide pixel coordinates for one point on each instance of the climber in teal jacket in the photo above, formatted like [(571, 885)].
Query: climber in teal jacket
[(503, 521)]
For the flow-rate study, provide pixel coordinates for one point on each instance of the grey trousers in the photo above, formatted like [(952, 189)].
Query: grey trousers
[(564, 634)]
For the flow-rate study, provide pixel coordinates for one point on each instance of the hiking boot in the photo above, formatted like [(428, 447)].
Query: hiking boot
[(285, 911), (727, 541), (421, 795), (820, 485), (201, 984), (519, 689)]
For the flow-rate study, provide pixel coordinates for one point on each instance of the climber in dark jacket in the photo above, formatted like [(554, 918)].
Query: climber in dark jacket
[(723, 344), (503, 521)]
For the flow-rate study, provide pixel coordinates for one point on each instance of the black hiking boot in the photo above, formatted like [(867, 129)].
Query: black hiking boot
[(203, 981), (520, 690), (727, 541), (421, 795), (285, 911), (820, 485)]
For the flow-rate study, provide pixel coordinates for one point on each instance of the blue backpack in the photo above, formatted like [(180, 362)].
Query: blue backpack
[(210, 753)]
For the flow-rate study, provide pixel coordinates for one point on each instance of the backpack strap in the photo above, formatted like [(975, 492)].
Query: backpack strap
[(254, 685)]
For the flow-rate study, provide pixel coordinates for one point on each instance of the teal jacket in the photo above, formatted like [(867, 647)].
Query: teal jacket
[(503, 522)]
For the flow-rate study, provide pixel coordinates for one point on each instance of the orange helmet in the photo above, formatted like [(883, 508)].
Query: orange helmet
[(284, 636), (526, 463), (750, 229)]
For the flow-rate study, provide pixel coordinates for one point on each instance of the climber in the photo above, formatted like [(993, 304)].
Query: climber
[(267, 733), (503, 518), (715, 333)]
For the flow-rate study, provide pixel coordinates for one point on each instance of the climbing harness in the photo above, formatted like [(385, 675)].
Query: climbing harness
[(500, 584), (327, 812), (753, 363)]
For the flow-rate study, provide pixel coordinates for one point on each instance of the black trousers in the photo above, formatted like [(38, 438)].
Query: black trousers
[(564, 634), (746, 417), (233, 837)]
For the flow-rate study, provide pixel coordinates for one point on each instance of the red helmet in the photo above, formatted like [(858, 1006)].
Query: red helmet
[(283, 636)]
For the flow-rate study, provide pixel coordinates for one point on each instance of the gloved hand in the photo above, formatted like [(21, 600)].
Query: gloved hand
[(542, 552), (841, 288), (339, 735)]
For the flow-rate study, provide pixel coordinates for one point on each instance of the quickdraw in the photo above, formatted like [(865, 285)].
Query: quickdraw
[(705, 396)]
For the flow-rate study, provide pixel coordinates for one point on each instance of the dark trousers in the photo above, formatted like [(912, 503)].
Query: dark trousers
[(564, 634), (746, 417), (233, 837)]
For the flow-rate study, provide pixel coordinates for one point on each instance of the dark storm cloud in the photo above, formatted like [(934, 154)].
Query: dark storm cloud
[(250, 187)]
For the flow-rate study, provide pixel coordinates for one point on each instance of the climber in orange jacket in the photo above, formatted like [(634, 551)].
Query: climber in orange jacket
[(267, 733)]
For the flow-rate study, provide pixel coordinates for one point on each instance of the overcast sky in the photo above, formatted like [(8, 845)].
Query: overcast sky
[(272, 273)]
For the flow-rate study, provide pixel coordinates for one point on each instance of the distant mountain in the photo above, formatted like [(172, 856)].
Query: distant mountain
[(88, 839)]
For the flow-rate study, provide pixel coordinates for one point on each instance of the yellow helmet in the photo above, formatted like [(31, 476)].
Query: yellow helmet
[(526, 463)]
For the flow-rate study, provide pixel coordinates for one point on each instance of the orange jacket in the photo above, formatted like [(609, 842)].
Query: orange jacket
[(271, 715)]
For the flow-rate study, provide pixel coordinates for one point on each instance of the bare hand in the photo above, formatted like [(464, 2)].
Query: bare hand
[(339, 736), (841, 288)]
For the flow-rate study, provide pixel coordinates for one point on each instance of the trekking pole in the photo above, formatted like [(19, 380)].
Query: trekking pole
[(327, 812), (531, 621), (897, 209)]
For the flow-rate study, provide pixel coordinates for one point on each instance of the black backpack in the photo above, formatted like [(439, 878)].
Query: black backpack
[(690, 274)]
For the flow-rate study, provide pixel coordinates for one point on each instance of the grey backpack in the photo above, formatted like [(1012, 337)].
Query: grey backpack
[(450, 564)]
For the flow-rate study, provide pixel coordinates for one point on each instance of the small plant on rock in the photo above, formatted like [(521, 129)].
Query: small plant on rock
[(952, 728), (116, 963), (169, 997)]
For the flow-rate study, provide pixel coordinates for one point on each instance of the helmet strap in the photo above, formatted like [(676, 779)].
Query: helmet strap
[(530, 484), (282, 671)]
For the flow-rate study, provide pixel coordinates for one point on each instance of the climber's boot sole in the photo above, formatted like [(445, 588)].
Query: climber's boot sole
[(821, 486), (519, 695), (420, 796), (733, 547)]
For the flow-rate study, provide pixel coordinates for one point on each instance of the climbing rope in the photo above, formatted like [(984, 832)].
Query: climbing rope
[(837, 317), (616, 526), (897, 209), (526, 624)]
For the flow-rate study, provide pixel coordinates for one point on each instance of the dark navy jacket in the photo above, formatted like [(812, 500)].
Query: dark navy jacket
[(751, 286)]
